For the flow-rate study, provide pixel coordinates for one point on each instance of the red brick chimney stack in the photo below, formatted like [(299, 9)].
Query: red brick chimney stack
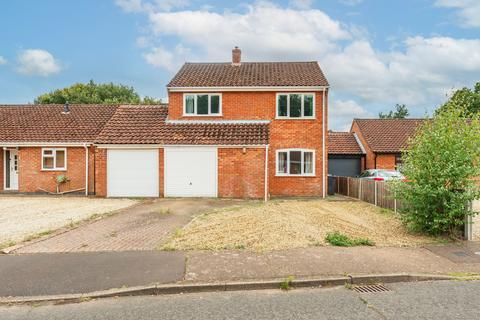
[(236, 56)]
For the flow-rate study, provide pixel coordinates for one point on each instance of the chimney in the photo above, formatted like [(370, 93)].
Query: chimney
[(66, 108), (236, 56)]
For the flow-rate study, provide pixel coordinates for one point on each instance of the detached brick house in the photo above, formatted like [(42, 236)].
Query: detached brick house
[(384, 139), (236, 129)]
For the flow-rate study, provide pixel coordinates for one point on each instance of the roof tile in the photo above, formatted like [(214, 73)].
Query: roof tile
[(343, 143)]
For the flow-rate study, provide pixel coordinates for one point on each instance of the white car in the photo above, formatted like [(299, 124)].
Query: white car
[(381, 175)]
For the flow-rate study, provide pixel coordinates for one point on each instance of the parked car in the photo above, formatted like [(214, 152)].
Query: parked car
[(381, 175)]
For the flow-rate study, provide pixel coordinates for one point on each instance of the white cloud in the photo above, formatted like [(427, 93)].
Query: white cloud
[(468, 11), (341, 113), (131, 5), (160, 57), (3, 60), (351, 2), (146, 6), (37, 62)]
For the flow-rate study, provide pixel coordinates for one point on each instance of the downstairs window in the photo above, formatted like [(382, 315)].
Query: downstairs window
[(54, 159), (295, 162)]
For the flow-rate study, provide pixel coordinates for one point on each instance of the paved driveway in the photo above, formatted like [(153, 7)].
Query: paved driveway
[(141, 227)]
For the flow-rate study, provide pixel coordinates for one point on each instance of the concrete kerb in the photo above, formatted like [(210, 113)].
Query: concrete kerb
[(180, 288)]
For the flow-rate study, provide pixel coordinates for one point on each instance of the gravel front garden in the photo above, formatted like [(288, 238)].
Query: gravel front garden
[(23, 217), (287, 224)]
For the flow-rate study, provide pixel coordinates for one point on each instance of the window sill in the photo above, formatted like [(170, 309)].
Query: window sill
[(53, 170), (201, 115), (295, 118), (295, 175)]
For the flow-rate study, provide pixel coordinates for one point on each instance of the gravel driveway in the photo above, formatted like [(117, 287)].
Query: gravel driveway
[(24, 216)]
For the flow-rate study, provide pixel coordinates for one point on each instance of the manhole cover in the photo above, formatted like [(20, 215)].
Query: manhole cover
[(371, 288)]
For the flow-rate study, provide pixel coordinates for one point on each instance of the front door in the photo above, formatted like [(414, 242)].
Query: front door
[(12, 169)]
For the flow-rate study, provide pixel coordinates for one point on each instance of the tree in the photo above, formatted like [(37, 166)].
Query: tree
[(441, 160), (465, 96), (91, 92), (400, 112)]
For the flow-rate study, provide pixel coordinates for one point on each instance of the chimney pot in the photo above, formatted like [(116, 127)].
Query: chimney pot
[(236, 56)]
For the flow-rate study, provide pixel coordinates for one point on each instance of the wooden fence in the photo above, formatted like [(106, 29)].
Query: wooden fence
[(378, 193)]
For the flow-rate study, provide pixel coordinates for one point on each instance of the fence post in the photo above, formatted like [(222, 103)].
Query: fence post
[(348, 186), (360, 189), (375, 192), (395, 201)]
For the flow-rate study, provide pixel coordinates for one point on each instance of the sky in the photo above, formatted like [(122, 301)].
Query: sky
[(375, 53)]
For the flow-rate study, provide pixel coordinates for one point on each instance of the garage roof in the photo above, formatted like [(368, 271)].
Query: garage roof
[(148, 125), (343, 143)]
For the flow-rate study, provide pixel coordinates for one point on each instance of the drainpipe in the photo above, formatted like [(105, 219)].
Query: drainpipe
[(86, 169), (323, 144), (266, 174)]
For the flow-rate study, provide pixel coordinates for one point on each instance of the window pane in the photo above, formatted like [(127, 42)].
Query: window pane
[(202, 104), (215, 104), (308, 105), (190, 104), (282, 162), (295, 162), (48, 162), (308, 162), (60, 159), (282, 105), (295, 105), (48, 152)]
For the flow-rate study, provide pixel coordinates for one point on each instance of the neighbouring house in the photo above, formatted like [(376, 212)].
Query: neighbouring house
[(384, 140), (236, 129), (346, 155)]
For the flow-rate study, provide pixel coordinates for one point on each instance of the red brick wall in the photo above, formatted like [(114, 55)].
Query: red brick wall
[(101, 172), (386, 161), (2, 165), (305, 134), (241, 175), (31, 177), (370, 155)]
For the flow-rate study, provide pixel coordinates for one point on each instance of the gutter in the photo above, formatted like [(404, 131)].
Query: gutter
[(86, 169)]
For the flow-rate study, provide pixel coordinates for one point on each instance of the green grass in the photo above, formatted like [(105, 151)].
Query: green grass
[(341, 240), (7, 244), (37, 235), (286, 283)]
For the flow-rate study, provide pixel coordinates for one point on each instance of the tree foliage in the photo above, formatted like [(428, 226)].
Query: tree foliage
[(401, 112), (95, 93), (470, 98), (441, 160)]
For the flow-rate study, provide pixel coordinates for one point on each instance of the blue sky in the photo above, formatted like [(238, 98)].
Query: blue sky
[(375, 53)]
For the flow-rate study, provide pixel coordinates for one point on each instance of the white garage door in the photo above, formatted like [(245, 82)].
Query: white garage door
[(132, 173), (191, 172)]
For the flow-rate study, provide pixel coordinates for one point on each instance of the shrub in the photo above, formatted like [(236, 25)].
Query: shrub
[(341, 240), (441, 160)]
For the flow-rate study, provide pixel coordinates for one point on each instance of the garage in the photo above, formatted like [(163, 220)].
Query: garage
[(190, 172), (132, 173), (344, 165)]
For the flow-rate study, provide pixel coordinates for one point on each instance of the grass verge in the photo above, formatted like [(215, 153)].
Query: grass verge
[(341, 240)]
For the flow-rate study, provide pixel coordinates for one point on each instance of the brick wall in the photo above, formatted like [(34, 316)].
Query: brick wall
[(101, 172), (304, 134), (386, 161), (241, 174), (31, 177), (370, 155)]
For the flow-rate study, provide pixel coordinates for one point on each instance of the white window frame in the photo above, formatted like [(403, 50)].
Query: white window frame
[(54, 156), (277, 115), (303, 174), (219, 114)]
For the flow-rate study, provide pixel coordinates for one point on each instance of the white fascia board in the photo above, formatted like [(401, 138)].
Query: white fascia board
[(158, 146), (266, 88), (217, 121), (359, 143), (44, 144)]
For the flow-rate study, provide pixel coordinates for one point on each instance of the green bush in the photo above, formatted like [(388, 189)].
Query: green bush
[(441, 160), (341, 240)]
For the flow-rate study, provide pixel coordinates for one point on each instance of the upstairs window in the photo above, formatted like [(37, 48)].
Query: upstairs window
[(207, 104), (295, 105), (295, 162), (54, 159)]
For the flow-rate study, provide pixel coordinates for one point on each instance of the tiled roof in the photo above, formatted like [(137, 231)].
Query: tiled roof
[(46, 123), (147, 125), (343, 143), (249, 74), (387, 135)]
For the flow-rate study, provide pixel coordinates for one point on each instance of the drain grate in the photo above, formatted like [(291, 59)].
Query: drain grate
[(370, 288)]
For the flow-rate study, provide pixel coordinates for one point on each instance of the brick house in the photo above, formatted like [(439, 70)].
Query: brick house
[(236, 129), (383, 140)]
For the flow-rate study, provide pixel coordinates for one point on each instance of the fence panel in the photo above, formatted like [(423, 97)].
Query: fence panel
[(378, 193)]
